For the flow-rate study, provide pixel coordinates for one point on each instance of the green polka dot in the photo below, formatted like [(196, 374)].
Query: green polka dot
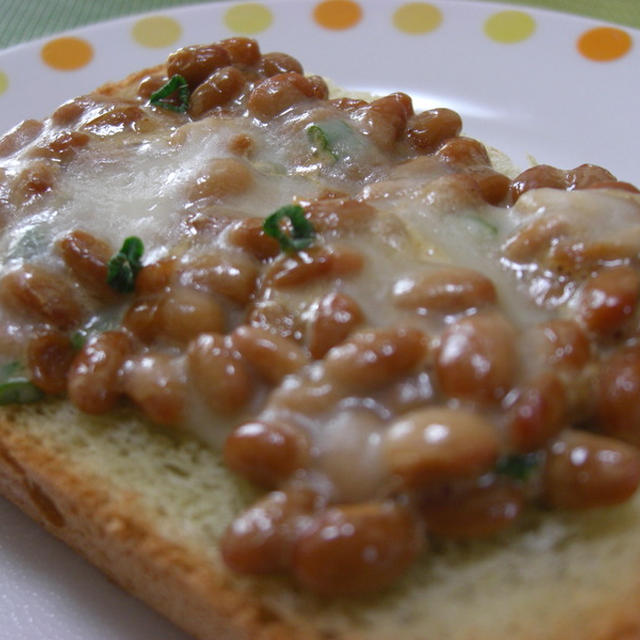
[(156, 31), (248, 18), (417, 17), (4, 82), (508, 27)]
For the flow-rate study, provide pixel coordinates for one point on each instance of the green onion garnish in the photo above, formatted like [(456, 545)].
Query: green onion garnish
[(124, 266), (177, 84), (485, 224), (19, 392), (332, 138), (518, 465), (15, 388), (302, 234)]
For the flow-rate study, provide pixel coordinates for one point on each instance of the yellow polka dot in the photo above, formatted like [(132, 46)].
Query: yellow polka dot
[(508, 27), (67, 53), (248, 18), (4, 82), (156, 31), (604, 44), (417, 17), (337, 14)]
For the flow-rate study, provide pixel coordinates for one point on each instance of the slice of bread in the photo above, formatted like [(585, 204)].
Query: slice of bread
[(148, 507)]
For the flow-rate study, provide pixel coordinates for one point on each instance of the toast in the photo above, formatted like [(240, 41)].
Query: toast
[(151, 502)]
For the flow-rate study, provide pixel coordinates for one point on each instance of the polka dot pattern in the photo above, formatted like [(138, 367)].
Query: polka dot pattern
[(417, 17), (600, 44), (249, 18), (337, 14), (509, 27), (67, 53), (604, 44), (156, 31)]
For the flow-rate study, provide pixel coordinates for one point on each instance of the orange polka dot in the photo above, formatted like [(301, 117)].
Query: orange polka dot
[(67, 53), (337, 14), (604, 44)]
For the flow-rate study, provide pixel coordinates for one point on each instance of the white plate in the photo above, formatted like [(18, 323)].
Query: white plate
[(539, 97)]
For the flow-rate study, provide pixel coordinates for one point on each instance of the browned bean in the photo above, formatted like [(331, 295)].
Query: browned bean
[(275, 63), (271, 355), (474, 511), (69, 112), (120, 118), (242, 50), (249, 235), (39, 292), (540, 176), (265, 452), (384, 119), (585, 470), (93, 378), (339, 214), (356, 549), (319, 88), (241, 145), (428, 130), (477, 358), (221, 178), (62, 147), (155, 277), (218, 373), (538, 413), (276, 318), (186, 313), (333, 318), (278, 93), (376, 357), (195, 63), (34, 180), (49, 358), (150, 84), (454, 192), (260, 540), (156, 384), (585, 175), (432, 445), (463, 152), (311, 264), (348, 104), (618, 393), (534, 240), (20, 136), (218, 89), (142, 319), (493, 186), (448, 290), (560, 343), (233, 276), (609, 299), (88, 257), (616, 184)]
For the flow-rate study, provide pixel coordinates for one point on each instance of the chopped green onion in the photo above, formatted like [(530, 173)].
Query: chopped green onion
[(177, 84), (302, 234), (124, 266), (19, 392), (518, 465), (333, 138), (485, 224), (78, 338), (15, 388)]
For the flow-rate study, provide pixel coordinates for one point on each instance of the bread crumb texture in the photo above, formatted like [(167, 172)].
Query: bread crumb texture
[(569, 575)]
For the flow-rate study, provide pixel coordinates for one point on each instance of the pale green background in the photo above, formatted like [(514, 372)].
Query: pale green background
[(22, 20)]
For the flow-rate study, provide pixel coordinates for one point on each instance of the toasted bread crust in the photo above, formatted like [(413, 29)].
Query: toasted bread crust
[(586, 595)]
